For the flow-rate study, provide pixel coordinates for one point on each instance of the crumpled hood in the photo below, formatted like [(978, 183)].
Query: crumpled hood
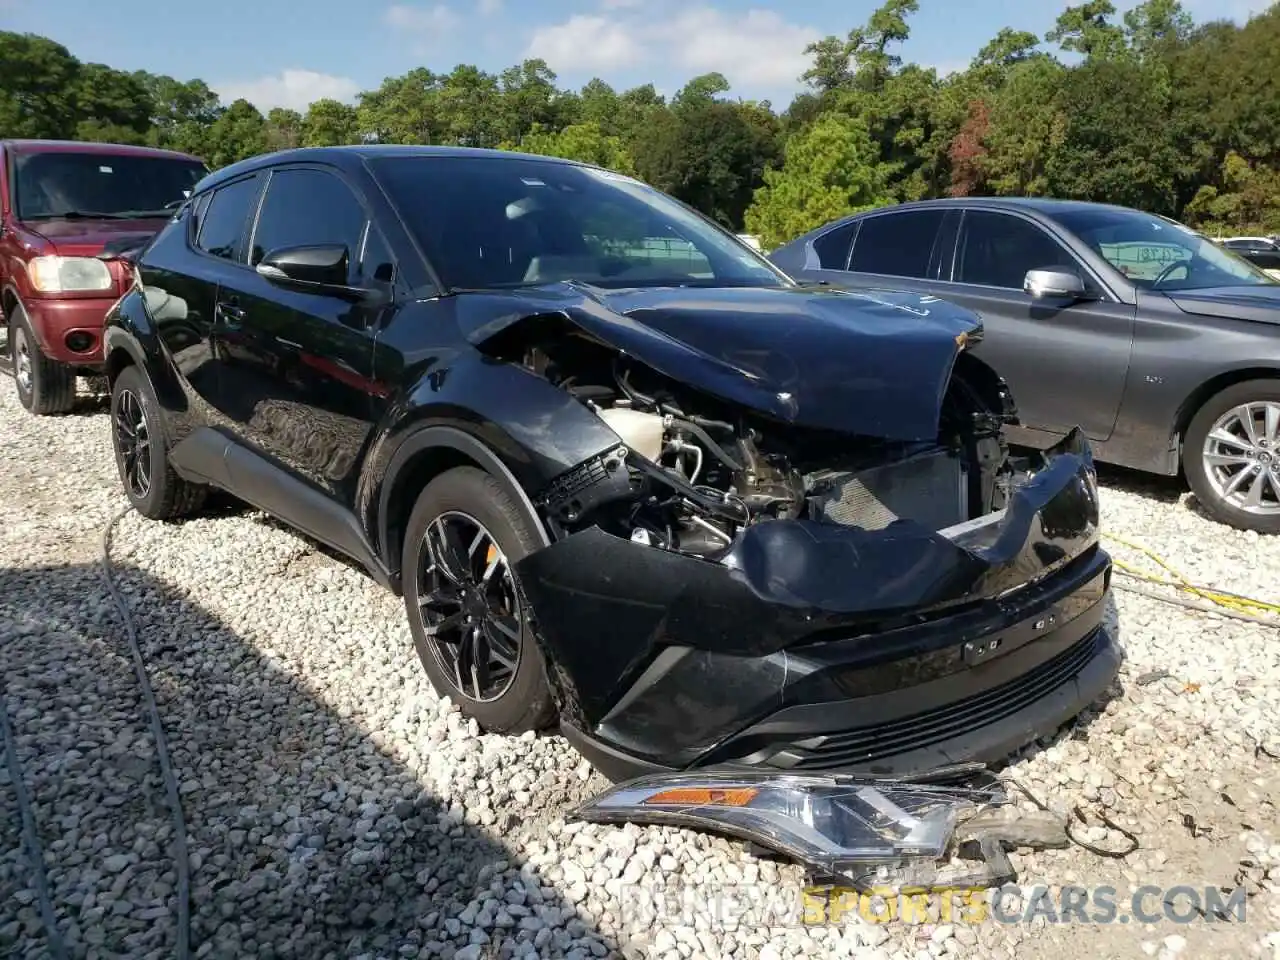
[(1260, 302), (87, 238), (874, 363)]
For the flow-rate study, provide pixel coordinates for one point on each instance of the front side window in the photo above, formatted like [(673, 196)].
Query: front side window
[(997, 250), (496, 222), (1157, 254), (58, 184), (305, 207), (224, 219), (897, 244)]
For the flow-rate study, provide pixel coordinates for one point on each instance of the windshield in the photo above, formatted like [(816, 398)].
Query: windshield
[(491, 222), (58, 184), (1155, 253)]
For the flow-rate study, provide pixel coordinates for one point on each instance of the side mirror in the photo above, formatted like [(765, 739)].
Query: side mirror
[(1055, 283), (322, 268)]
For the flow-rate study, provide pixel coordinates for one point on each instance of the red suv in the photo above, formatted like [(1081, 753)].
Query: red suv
[(66, 210)]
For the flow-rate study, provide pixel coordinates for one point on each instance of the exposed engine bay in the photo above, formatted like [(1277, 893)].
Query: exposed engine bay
[(693, 471)]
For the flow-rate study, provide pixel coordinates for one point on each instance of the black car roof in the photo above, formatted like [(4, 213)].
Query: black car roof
[(353, 157)]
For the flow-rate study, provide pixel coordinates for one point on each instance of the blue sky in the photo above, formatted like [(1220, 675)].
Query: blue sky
[(289, 52)]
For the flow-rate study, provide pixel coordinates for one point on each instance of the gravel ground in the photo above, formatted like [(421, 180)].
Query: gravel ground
[(336, 807)]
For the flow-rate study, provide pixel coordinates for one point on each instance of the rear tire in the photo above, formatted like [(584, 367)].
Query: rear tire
[(45, 387), (141, 448), (1222, 472), (472, 611)]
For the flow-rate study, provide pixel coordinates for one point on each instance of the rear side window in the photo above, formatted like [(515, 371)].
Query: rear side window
[(222, 224), (897, 244), (832, 247), (304, 207)]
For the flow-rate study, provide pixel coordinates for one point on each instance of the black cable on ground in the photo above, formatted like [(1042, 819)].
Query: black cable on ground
[(35, 853), (181, 859)]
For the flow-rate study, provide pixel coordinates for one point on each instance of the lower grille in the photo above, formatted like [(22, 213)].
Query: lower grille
[(868, 744)]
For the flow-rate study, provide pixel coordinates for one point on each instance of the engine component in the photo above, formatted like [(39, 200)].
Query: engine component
[(931, 488), (640, 431)]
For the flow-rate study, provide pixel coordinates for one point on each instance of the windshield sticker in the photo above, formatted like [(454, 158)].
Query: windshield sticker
[(105, 170), (532, 182)]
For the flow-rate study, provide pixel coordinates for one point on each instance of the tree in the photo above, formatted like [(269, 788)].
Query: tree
[(1156, 25), (284, 129), (38, 94), (585, 142), (709, 153), (1087, 29), (330, 123), (1024, 127), (831, 169), (239, 132), (1248, 201), (968, 151)]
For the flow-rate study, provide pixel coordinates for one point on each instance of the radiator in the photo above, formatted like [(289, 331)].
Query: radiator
[(930, 488)]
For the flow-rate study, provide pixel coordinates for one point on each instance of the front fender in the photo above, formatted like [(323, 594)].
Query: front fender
[(523, 430), (130, 330)]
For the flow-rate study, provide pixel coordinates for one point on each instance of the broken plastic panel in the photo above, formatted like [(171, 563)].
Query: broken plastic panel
[(827, 823)]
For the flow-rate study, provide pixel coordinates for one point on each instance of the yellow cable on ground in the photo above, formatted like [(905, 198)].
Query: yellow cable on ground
[(1221, 598)]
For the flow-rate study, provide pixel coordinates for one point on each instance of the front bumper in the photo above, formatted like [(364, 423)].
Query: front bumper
[(819, 647), (56, 321)]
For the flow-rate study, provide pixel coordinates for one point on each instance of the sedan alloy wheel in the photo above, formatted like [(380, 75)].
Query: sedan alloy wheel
[(1242, 457)]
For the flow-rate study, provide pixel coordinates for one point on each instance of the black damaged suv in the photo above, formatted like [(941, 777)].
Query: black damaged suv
[(629, 477)]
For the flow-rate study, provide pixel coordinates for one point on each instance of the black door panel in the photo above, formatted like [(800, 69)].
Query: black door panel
[(296, 381)]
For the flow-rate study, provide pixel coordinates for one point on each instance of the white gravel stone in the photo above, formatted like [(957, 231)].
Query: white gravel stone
[(337, 807)]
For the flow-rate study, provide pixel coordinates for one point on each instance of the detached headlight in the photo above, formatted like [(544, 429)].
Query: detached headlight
[(828, 823), (69, 274)]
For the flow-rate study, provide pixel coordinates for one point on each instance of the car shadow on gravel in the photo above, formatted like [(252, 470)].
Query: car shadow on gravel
[(308, 838)]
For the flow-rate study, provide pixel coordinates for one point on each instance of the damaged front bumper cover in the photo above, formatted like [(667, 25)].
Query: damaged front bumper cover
[(867, 833), (815, 648)]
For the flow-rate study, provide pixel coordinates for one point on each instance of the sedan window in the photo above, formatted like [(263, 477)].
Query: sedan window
[(897, 244), (997, 250), (496, 222), (1156, 253)]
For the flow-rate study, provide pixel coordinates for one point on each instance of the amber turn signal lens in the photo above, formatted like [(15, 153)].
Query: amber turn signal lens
[(697, 796)]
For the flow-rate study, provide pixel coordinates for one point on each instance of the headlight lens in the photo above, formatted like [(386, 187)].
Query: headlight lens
[(69, 274)]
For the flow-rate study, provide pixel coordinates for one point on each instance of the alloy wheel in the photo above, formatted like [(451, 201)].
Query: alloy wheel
[(470, 606), (21, 360), (1242, 457), (134, 443)]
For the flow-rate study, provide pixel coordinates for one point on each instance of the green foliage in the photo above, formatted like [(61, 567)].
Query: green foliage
[(831, 169), (585, 142), (1147, 109)]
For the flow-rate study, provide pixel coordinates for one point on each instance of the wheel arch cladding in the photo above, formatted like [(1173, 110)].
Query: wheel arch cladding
[(1211, 388), (424, 455)]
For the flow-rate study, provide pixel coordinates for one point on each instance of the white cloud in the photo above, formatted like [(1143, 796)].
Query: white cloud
[(621, 4), (427, 26), (586, 43), (489, 7), (295, 89), (759, 52)]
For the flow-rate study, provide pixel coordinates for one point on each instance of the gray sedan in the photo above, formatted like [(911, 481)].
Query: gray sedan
[(1163, 346)]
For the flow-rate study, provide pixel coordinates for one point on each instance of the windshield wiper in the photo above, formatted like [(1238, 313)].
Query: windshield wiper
[(81, 215)]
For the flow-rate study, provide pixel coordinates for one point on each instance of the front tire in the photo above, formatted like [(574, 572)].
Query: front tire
[(45, 387), (1232, 456), (142, 452), (471, 623)]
